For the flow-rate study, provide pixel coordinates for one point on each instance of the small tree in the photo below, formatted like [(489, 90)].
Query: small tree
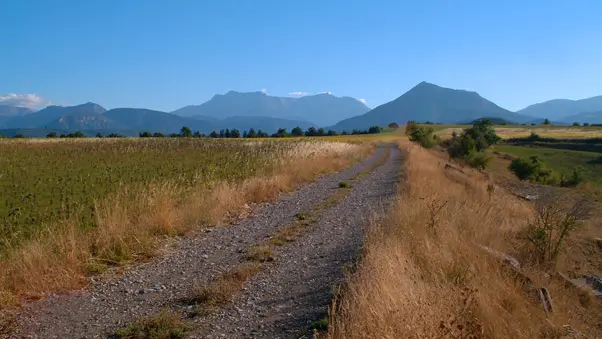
[(374, 130), (227, 134), (158, 135), (78, 134), (297, 131), (235, 133), (197, 134), (186, 132), (546, 122), (51, 135), (586, 124), (19, 136), (344, 133), (99, 135), (332, 132), (576, 124), (321, 132), (311, 132), (213, 134), (145, 134), (393, 125), (252, 133)]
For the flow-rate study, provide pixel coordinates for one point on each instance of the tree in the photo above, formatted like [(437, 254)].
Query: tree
[(297, 131), (344, 133), (576, 123), (393, 125), (222, 133), (227, 133), (586, 124), (546, 122), (186, 132), (51, 135), (311, 132), (19, 136), (374, 130), (158, 135), (197, 134), (252, 133), (235, 133), (145, 134), (173, 135), (213, 134), (99, 135), (78, 134), (332, 132), (280, 134), (262, 134), (321, 132), (245, 134)]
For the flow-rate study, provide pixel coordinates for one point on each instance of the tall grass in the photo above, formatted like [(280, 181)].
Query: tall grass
[(424, 273), (128, 222)]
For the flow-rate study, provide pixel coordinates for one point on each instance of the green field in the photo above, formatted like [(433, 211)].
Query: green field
[(561, 160), (47, 182)]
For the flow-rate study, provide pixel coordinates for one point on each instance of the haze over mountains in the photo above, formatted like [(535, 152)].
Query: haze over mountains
[(424, 102)]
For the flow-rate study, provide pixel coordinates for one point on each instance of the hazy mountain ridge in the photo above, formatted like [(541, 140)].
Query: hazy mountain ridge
[(321, 109), (563, 109)]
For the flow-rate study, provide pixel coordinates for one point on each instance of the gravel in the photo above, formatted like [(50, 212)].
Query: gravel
[(294, 291), (276, 303)]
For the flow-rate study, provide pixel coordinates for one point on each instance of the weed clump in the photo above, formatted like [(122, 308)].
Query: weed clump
[(164, 326)]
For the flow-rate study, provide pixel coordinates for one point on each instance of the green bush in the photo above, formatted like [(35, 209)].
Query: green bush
[(421, 135), (533, 169), (478, 160)]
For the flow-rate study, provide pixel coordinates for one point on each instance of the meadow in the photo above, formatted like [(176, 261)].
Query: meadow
[(516, 131), (71, 208), (561, 160)]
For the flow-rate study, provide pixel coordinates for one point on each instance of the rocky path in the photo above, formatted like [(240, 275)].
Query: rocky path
[(281, 301)]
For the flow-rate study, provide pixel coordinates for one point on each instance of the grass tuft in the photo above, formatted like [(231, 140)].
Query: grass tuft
[(163, 326)]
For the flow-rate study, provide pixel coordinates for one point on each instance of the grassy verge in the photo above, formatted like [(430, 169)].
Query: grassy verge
[(424, 273), (122, 196)]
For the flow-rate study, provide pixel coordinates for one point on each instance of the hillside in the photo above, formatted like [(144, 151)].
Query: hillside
[(140, 119), (79, 121), (429, 102), (49, 114), (589, 117), (562, 109), (13, 111), (321, 109)]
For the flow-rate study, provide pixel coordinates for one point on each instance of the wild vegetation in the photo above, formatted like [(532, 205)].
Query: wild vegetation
[(438, 265), (75, 207)]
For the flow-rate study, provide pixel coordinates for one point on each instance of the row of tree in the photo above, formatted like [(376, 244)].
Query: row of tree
[(252, 133)]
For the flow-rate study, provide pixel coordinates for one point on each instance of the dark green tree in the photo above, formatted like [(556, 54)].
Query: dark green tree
[(145, 134), (297, 131), (186, 132), (51, 135)]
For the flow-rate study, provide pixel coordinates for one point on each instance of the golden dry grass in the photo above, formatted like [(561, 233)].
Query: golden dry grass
[(425, 275), (130, 225)]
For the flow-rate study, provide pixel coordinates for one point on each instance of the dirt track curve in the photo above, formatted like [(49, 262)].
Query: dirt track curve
[(281, 301)]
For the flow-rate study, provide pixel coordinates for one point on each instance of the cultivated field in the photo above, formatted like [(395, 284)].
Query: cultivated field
[(70, 208), (516, 131)]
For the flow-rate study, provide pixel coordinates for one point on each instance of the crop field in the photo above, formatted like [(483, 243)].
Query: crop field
[(562, 160), (73, 207), (516, 131)]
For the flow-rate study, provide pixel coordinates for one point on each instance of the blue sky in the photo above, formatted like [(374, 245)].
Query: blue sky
[(166, 54)]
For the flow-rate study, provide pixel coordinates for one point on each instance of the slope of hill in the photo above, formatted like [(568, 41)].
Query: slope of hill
[(429, 102), (561, 109), (14, 111), (321, 109), (79, 121), (141, 119), (590, 117), (49, 114)]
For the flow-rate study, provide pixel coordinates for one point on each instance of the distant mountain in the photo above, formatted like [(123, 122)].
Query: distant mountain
[(321, 109), (590, 117), (13, 111), (49, 114), (80, 121), (154, 121), (429, 102), (561, 109)]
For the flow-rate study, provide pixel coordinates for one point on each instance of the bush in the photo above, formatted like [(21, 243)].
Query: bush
[(533, 169), (421, 135), (574, 179), (478, 160)]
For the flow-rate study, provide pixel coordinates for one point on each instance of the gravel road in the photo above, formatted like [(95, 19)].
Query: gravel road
[(280, 302)]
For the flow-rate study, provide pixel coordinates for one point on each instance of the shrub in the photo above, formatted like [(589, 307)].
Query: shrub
[(533, 169), (576, 124), (297, 131), (478, 160), (393, 125), (422, 135), (51, 135), (553, 223), (574, 179)]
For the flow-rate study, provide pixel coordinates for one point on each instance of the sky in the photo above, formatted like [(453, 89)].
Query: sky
[(167, 54)]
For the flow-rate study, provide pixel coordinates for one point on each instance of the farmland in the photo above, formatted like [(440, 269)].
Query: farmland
[(74, 207)]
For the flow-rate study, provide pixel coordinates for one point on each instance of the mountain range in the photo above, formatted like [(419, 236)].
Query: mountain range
[(424, 102)]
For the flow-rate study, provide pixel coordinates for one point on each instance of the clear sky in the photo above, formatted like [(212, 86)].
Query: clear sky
[(166, 54)]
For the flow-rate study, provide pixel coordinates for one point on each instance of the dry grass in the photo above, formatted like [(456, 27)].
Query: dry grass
[(166, 325), (131, 223), (220, 292), (425, 275)]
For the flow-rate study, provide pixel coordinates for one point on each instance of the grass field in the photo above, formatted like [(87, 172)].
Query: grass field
[(69, 208), (561, 160)]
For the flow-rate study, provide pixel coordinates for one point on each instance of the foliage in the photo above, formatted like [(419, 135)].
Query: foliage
[(532, 169), (421, 135), (297, 131), (546, 122), (576, 123), (471, 144), (51, 135), (186, 132), (393, 125), (478, 160)]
